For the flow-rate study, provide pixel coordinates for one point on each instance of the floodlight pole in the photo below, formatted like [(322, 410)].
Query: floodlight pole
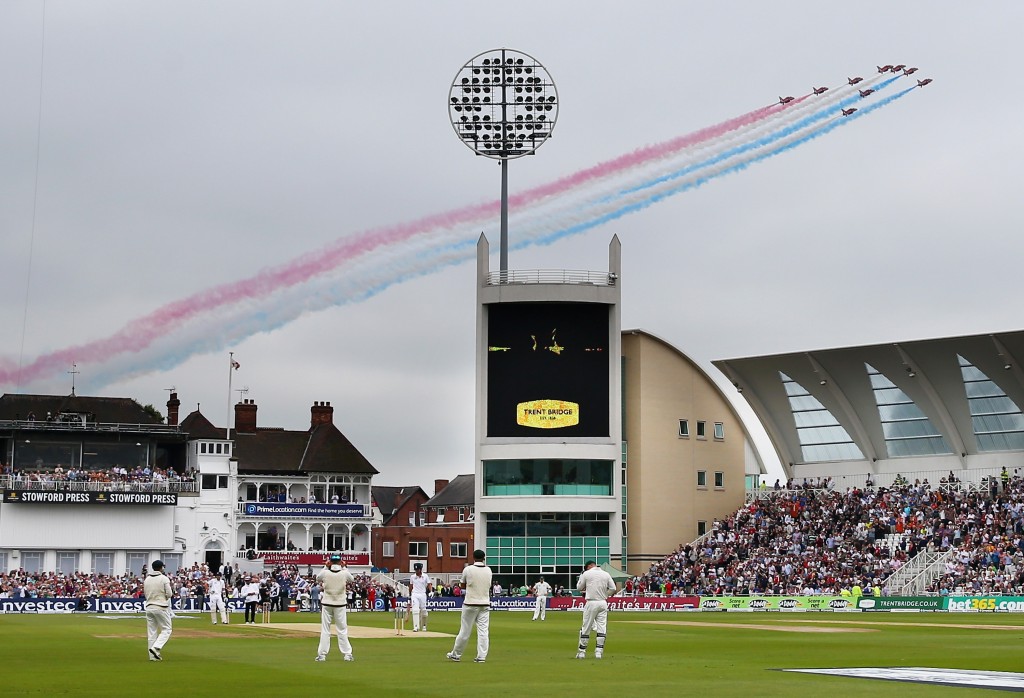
[(503, 243), (503, 105)]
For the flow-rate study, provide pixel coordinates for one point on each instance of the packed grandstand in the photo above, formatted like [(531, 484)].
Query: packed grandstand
[(797, 540), (806, 541)]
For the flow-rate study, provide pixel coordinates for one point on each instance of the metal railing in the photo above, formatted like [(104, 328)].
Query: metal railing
[(16, 482), (367, 510), (912, 578), (78, 425), (552, 276)]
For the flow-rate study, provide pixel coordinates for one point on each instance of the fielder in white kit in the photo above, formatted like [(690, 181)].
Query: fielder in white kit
[(215, 588), (420, 585), (597, 585), (541, 591), (335, 579)]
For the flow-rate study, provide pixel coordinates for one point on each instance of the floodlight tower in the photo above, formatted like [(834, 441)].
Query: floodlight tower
[(503, 105)]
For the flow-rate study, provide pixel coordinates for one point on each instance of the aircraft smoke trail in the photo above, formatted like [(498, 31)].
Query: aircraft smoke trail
[(196, 331), (140, 333), (368, 280)]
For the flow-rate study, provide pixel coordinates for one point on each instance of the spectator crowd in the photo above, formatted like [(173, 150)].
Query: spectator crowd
[(811, 541)]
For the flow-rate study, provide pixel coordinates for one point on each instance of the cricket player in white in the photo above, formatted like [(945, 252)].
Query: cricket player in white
[(597, 585), (335, 579), (419, 585), (541, 590), (476, 609), (157, 589), (215, 588)]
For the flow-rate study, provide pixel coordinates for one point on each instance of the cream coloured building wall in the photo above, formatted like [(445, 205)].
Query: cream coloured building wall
[(661, 386)]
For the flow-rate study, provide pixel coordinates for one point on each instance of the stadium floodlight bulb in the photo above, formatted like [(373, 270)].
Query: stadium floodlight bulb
[(510, 91)]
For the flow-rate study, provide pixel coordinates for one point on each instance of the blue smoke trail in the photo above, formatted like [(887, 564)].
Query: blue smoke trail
[(768, 139), (646, 202)]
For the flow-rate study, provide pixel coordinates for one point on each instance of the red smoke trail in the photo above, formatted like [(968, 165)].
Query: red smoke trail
[(142, 332)]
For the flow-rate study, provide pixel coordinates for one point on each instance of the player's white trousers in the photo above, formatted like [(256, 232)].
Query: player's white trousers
[(339, 616), (540, 607), (158, 625), (480, 616), (217, 604), (419, 610), (595, 617)]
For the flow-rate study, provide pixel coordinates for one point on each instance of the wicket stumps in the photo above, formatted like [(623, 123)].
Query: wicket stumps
[(400, 613)]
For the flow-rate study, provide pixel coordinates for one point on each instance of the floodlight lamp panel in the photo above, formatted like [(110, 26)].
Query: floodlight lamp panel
[(505, 99)]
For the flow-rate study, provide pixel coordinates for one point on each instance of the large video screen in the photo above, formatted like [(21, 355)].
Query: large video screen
[(547, 370)]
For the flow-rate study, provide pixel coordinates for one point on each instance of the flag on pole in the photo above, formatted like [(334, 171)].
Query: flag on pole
[(235, 365)]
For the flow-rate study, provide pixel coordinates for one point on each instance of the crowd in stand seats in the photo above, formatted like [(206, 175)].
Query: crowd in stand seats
[(115, 477), (187, 582), (814, 541)]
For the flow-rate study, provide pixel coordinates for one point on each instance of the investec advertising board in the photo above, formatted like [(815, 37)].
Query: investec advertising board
[(65, 497), (547, 370)]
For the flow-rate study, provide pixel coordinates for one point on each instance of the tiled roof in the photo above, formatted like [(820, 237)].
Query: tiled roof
[(460, 492), (390, 499), (199, 427), (323, 449), (109, 410)]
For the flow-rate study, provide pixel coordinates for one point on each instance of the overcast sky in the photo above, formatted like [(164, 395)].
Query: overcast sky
[(154, 150)]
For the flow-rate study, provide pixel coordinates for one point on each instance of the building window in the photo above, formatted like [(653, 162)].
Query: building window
[(719, 479), (388, 549), (32, 561), (67, 562), (462, 514), (702, 528), (684, 428), (423, 518), (103, 563), (136, 561), (702, 478), (719, 430), (440, 549), (417, 548), (412, 518), (458, 549), (202, 447), (209, 482), (222, 482), (172, 562), (702, 428)]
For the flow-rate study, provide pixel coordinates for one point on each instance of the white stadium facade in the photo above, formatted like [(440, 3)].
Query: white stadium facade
[(915, 409)]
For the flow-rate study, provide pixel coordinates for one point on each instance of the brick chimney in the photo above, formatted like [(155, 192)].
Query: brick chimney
[(173, 403), (245, 417), (439, 485), (320, 413)]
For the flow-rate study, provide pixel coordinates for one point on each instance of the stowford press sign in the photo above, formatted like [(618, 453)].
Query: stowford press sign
[(64, 497)]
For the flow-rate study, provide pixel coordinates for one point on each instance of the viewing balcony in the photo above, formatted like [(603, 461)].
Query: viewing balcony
[(552, 276), (18, 482), (253, 510)]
